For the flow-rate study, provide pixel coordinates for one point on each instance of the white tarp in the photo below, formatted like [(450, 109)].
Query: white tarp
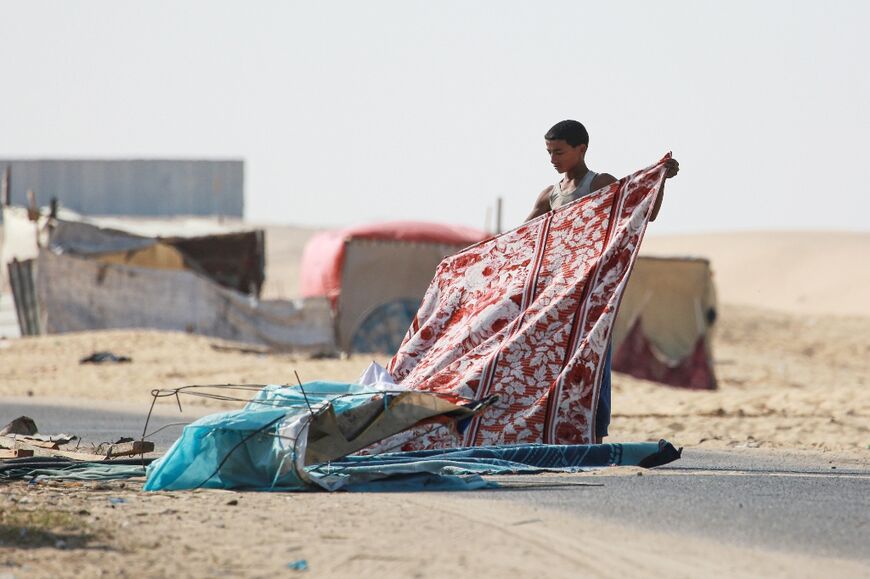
[(78, 294), (180, 226), (19, 239)]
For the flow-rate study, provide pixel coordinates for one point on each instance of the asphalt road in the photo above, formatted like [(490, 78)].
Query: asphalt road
[(806, 503), (800, 504), (102, 422)]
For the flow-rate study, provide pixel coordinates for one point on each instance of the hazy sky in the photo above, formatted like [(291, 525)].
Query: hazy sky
[(348, 112)]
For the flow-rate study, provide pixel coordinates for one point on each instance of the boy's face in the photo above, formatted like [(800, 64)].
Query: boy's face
[(563, 156)]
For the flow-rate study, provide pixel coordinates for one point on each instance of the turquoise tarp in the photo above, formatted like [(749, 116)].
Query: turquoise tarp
[(255, 448)]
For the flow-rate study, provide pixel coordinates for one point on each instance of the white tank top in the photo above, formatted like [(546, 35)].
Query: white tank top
[(584, 188)]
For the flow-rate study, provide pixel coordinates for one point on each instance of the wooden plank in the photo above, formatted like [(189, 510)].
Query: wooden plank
[(126, 448), (24, 442), (241, 349), (102, 452), (41, 451), (17, 453), (71, 454), (4, 187)]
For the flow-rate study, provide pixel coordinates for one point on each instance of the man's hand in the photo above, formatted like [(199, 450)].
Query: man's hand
[(673, 167)]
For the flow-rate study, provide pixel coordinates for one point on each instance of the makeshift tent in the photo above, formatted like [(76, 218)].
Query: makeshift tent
[(664, 328), (82, 275), (231, 255), (286, 429), (76, 294), (374, 276)]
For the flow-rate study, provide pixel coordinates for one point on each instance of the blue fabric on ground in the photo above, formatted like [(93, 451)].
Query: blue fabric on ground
[(243, 449), (240, 449), (508, 459), (227, 450), (91, 471), (520, 458), (341, 394)]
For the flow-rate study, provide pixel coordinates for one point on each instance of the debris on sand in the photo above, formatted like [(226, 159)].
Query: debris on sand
[(105, 358), (21, 425), (20, 438)]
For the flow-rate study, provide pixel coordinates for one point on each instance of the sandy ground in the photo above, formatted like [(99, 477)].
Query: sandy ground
[(785, 381), (113, 530), (792, 353)]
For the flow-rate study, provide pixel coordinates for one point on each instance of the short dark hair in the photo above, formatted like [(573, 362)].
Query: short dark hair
[(571, 132)]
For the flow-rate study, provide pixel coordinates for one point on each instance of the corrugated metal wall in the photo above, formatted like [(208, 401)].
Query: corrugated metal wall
[(132, 187)]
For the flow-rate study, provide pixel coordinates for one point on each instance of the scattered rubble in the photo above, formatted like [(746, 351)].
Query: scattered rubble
[(20, 438)]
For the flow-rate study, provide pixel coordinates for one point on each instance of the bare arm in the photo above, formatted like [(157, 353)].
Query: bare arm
[(658, 205), (542, 204), (673, 167)]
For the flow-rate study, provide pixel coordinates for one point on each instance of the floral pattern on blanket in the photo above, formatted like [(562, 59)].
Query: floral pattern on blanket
[(527, 316)]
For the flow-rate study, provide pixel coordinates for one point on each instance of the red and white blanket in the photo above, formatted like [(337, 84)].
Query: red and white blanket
[(527, 316)]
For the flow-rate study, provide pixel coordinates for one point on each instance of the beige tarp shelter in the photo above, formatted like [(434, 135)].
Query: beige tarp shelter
[(76, 294), (375, 276), (663, 331)]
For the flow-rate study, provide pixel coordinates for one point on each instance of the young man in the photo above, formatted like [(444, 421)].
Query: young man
[(567, 142)]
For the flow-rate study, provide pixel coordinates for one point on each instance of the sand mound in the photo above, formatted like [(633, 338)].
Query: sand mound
[(797, 272)]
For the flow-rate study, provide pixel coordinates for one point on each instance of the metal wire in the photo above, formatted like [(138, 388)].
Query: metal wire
[(202, 391)]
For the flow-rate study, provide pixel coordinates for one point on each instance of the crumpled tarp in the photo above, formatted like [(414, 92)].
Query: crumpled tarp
[(451, 469), (283, 430), (36, 468), (292, 438)]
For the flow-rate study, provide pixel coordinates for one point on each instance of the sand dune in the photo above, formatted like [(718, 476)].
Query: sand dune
[(795, 272)]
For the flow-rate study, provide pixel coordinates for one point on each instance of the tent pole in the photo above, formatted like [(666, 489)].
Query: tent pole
[(4, 187)]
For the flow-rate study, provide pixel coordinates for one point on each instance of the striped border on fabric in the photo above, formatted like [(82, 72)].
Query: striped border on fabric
[(579, 321), (617, 209), (530, 288)]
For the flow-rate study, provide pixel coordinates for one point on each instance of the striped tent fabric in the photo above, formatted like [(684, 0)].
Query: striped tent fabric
[(527, 316)]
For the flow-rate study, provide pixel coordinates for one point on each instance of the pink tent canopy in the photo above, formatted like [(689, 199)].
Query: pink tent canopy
[(323, 256)]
